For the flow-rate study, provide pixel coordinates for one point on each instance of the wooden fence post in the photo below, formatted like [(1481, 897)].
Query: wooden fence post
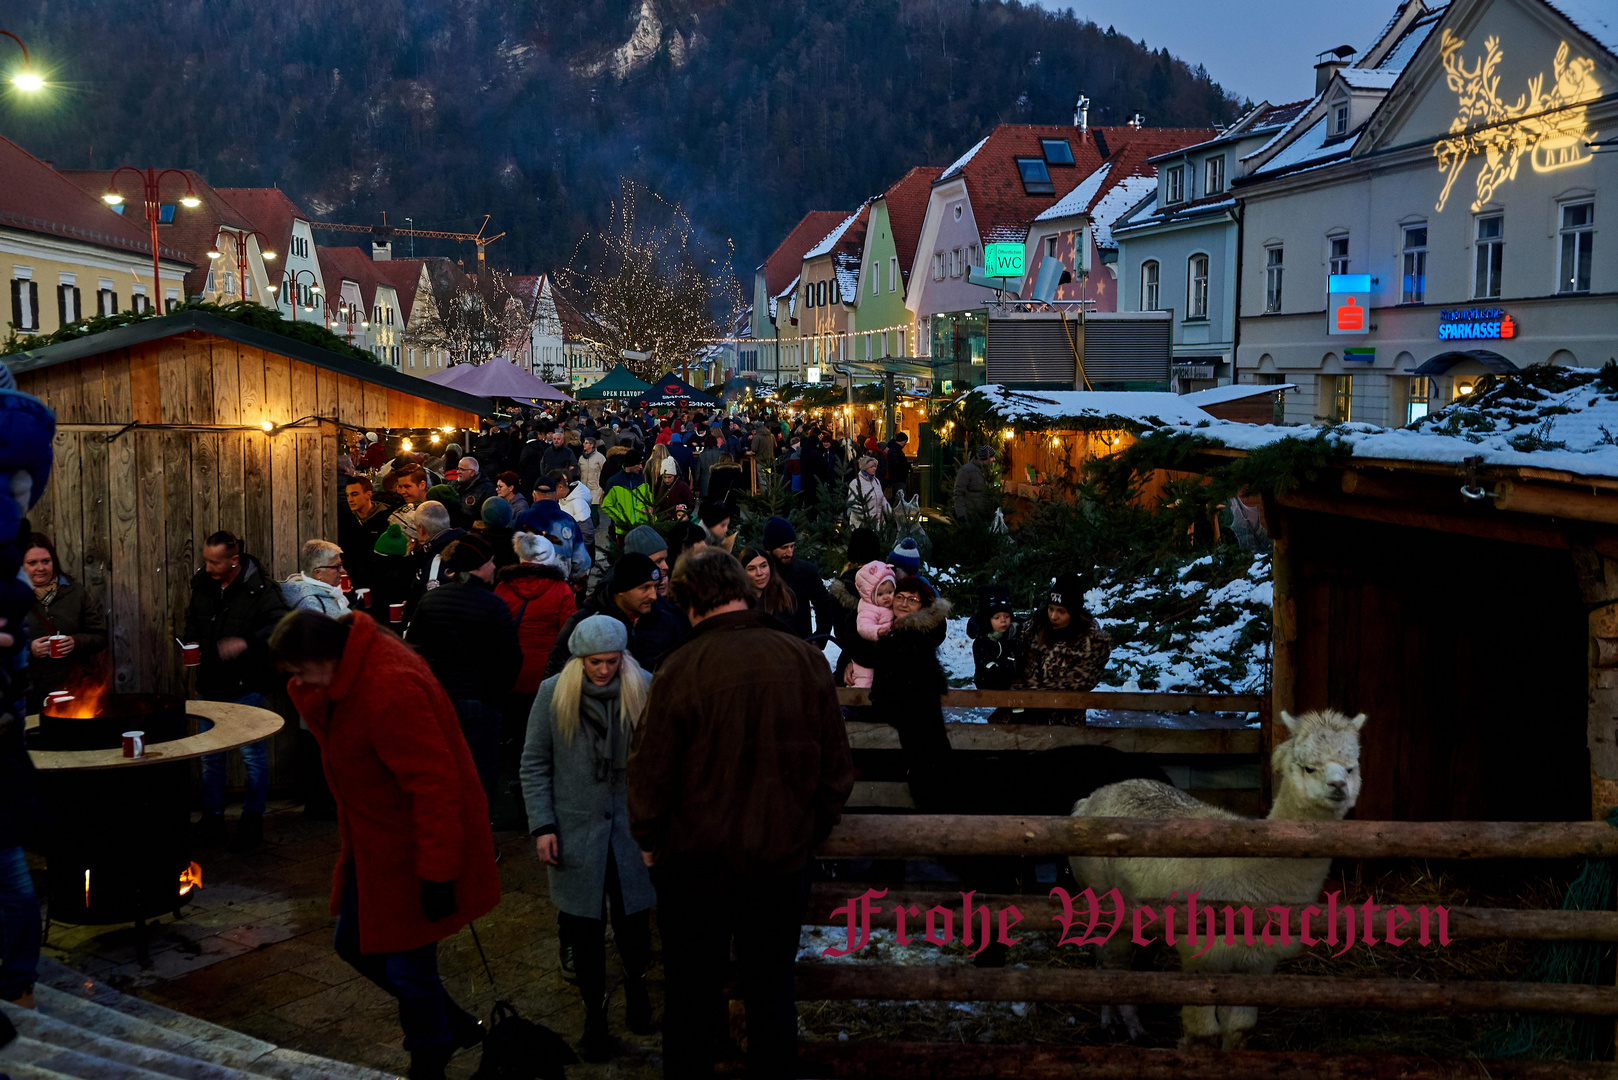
[(1598, 584)]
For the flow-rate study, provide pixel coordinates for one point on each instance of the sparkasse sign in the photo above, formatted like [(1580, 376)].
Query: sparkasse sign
[(1475, 324)]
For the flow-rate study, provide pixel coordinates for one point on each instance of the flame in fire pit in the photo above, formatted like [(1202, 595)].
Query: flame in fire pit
[(86, 703), (190, 878)]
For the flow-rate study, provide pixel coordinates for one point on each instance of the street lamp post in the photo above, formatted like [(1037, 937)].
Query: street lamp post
[(152, 181), (291, 279), (26, 80), (242, 236)]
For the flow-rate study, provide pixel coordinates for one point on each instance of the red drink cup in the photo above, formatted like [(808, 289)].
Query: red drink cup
[(191, 654), (60, 644), (344, 582), (396, 613), (134, 744), (363, 597)]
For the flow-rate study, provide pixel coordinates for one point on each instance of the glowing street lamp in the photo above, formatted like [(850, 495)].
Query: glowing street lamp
[(27, 79), (152, 183)]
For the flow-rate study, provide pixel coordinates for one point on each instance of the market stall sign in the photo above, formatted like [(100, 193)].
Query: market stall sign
[(1475, 324), (1348, 307), (1002, 260)]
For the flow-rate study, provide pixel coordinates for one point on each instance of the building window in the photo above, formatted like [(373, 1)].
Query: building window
[(1336, 397), (1176, 185), (938, 266), (876, 277), (138, 301), (1339, 255), (1036, 178), (1414, 287), (955, 262), (820, 294), (1273, 268), (972, 257), (1339, 121), (1489, 257), (1050, 247), (1148, 286), (1416, 399), (1578, 240), (24, 301), (1213, 175), (171, 300), (230, 283), (106, 298), (1196, 298), (67, 300), (1057, 151)]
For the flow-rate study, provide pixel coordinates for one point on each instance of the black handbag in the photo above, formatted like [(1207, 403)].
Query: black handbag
[(516, 1048)]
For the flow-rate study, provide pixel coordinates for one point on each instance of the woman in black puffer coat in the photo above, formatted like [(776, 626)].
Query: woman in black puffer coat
[(908, 685)]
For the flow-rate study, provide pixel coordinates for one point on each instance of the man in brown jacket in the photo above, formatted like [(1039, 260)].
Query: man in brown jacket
[(737, 771)]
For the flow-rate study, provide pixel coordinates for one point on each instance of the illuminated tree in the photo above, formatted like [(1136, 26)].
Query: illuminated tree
[(476, 317), (649, 284)]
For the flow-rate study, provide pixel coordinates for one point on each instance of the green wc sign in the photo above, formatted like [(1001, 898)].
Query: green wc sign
[(1002, 260)]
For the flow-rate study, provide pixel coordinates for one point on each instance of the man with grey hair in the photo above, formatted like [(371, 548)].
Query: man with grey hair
[(316, 585), (433, 535), (472, 487)]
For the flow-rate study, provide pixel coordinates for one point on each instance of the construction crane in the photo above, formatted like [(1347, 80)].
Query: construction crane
[(385, 232)]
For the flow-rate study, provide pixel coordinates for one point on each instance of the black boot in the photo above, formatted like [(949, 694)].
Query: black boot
[(249, 832), (638, 1005), (570, 970), (597, 1045), (429, 1064)]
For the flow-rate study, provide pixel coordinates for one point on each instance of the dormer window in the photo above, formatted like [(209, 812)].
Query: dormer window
[(1213, 175), (1057, 151), (1036, 178), (1175, 184), (1339, 118)]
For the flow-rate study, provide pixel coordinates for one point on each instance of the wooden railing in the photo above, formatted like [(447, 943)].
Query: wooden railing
[(871, 836)]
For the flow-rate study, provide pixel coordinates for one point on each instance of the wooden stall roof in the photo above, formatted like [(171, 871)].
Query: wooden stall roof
[(149, 330)]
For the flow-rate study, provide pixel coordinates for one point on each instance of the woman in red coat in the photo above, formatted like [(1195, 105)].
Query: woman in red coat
[(415, 864), (541, 602)]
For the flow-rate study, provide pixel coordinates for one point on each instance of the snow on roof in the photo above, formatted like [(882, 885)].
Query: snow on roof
[(1139, 216), (1077, 201), (1281, 136), (1123, 195), (1556, 418), (829, 241), (1129, 410), (847, 269), (1369, 78), (1598, 18), (1309, 148), (960, 163), (1404, 51), (1219, 395)]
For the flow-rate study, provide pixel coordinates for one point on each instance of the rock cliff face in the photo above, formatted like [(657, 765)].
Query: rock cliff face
[(748, 112)]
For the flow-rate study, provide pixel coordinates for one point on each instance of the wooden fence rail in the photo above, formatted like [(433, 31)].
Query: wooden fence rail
[(1121, 700), (1179, 741), (1038, 912), (914, 835)]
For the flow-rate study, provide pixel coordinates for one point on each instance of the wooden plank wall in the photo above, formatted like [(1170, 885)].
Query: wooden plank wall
[(129, 516)]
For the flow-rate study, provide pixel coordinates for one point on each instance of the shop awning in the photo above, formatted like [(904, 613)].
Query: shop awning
[(1441, 363), (670, 391), (617, 383)]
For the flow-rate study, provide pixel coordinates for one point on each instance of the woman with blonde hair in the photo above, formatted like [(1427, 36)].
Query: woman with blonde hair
[(574, 770)]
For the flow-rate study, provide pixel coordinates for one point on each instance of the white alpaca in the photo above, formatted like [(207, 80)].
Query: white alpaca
[(1317, 778)]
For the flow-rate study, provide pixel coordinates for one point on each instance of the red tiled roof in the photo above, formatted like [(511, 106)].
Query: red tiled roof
[(36, 198), (195, 230), (526, 287), (907, 209), (405, 276), (786, 260), (270, 211), (1003, 208), (574, 328), (352, 264)]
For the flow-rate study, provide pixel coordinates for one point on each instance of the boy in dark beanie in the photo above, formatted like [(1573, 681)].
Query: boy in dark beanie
[(994, 645)]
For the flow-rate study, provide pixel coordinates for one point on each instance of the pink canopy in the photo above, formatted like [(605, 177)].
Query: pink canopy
[(500, 378)]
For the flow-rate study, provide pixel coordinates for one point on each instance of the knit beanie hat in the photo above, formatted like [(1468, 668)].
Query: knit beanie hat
[(1068, 591), (905, 556), (778, 532), (443, 493), (995, 599), (645, 540), (598, 634), (496, 511), (392, 541), (670, 467), (631, 571), (534, 549), (712, 513), (468, 553), (864, 545)]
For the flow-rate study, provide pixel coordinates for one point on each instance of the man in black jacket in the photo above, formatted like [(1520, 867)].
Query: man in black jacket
[(471, 488), (630, 595), (465, 633), (234, 608), (898, 465), (780, 543), (361, 522), (559, 456)]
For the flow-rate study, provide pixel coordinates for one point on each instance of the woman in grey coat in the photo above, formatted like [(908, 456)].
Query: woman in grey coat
[(574, 769)]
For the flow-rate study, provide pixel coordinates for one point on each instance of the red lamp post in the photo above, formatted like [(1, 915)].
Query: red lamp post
[(152, 180), (291, 280), (27, 80), (241, 237)]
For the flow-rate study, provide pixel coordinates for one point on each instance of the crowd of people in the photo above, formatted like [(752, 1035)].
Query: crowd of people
[(555, 612)]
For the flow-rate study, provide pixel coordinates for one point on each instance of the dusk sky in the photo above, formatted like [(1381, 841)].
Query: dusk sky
[(1259, 48)]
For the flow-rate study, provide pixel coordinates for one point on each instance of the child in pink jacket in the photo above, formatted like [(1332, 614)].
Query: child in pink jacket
[(874, 616)]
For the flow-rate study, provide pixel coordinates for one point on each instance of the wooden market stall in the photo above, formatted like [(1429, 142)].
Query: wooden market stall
[(1458, 583), (162, 440)]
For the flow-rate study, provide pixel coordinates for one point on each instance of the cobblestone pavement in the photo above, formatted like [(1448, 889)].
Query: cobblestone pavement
[(253, 952)]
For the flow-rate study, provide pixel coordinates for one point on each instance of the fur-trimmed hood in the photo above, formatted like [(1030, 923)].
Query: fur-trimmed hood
[(928, 618), (842, 590)]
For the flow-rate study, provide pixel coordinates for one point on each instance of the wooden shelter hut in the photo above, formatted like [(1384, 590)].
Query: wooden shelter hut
[(172, 428), (1457, 581)]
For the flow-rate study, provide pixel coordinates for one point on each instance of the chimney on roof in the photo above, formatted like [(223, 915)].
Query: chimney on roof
[(1081, 114), (381, 251), (1329, 63), (1137, 121)]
